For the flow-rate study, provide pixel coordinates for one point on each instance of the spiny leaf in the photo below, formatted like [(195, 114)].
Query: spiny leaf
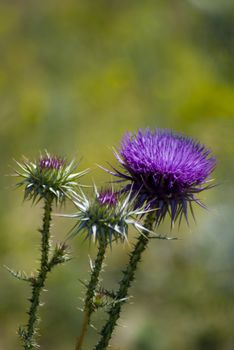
[(20, 275)]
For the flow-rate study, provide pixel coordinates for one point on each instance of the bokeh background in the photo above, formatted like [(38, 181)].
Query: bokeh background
[(74, 76)]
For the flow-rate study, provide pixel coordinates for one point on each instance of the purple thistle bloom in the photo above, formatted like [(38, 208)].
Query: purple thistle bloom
[(107, 197), (165, 170), (50, 163)]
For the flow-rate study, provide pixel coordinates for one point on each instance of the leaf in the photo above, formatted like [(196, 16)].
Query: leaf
[(20, 275)]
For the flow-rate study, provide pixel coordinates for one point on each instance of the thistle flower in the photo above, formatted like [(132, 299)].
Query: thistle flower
[(165, 170), (48, 175), (107, 212)]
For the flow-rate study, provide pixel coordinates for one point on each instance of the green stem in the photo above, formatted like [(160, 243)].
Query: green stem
[(28, 334), (124, 285), (89, 306)]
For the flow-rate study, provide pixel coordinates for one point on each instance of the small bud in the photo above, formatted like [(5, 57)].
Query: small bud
[(107, 213), (60, 256), (48, 176), (99, 300)]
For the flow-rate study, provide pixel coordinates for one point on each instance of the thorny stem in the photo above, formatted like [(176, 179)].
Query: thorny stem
[(28, 334), (83, 331), (124, 285), (89, 306)]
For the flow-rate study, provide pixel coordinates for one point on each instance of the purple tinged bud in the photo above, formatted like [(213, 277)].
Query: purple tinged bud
[(49, 175)]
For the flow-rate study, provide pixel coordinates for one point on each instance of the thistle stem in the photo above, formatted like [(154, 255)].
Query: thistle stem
[(124, 285), (89, 306), (38, 283)]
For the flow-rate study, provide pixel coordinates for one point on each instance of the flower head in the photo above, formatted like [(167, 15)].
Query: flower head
[(48, 176), (107, 214), (165, 170)]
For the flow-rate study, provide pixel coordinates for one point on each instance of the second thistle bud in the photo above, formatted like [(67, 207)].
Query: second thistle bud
[(106, 214)]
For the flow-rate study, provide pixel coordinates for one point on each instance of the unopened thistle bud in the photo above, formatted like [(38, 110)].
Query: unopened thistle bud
[(107, 212), (49, 175)]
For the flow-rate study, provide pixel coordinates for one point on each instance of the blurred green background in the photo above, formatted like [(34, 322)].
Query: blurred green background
[(74, 76)]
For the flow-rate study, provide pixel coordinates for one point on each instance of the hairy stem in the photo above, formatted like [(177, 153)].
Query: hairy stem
[(28, 334), (124, 285), (89, 306)]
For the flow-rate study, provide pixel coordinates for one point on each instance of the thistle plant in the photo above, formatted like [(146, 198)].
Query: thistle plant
[(160, 175), (52, 180), (163, 171), (105, 219)]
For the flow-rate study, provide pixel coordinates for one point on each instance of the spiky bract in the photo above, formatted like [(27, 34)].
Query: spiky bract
[(165, 170), (110, 217), (49, 175)]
